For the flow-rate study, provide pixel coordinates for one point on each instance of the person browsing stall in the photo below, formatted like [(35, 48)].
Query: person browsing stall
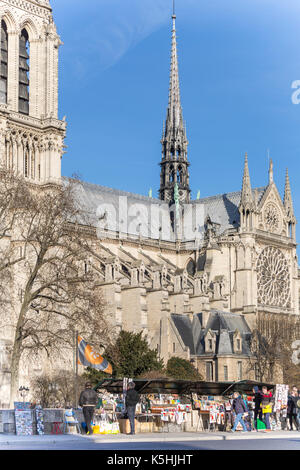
[(131, 400)]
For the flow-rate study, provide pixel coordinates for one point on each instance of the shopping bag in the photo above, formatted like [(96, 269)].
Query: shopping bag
[(107, 428), (102, 427), (115, 429), (96, 429), (260, 424)]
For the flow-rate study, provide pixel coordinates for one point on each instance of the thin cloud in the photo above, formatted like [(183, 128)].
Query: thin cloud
[(110, 28)]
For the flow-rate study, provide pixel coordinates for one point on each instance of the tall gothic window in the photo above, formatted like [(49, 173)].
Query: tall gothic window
[(24, 73), (3, 63), (26, 162)]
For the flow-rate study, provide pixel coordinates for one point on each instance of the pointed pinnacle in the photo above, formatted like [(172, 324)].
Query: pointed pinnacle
[(271, 174), (287, 199), (246, 196)]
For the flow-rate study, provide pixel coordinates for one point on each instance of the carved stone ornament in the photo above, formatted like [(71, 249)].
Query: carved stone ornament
[(272, 218), (273, 278)]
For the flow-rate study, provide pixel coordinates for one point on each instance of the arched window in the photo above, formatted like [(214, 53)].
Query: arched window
[(179, 175), (191, 268), (24, 55), (26, 162), (172, 174), (32, 165), (3, 63)]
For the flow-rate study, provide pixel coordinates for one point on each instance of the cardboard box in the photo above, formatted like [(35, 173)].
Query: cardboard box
[(145, 427), (125, 426)]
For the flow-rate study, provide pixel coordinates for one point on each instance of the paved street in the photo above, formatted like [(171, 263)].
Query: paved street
[(181, 441)]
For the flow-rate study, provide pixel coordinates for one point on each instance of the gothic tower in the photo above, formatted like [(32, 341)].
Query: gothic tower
[(174, 174), (31, 135)]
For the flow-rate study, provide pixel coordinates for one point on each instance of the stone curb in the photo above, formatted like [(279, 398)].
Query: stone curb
[(98, 439)]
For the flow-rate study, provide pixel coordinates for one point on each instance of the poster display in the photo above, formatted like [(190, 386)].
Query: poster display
[(24, 422), (39, 414)]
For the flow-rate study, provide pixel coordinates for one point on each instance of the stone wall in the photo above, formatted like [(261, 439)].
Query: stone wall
[(7, 420)]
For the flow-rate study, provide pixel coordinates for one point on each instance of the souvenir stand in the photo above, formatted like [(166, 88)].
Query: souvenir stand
[(162, 407), (105, 419), (179, 405)]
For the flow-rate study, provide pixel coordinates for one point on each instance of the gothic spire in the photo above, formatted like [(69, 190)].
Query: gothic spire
[(174, 163), (287, 199), (246, 196), (174, 120), (271, 172)]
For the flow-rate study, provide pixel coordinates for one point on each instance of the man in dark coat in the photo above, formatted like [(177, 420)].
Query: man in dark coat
[(88, 400), (292, 409), (239, 407), (131, 400), (257, 408)]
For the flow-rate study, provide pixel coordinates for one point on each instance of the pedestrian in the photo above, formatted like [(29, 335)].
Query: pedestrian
[(240, 410), (247, 415), (267, 407), (257, 409), (292, 409), (131, 400), (88, 400), (298, 410)]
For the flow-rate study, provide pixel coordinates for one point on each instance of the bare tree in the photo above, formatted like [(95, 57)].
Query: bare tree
[(57, 290), (55, 390), (271, 347), (14, 195)]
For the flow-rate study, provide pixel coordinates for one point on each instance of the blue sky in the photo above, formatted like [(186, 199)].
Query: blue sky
[(237, 62)]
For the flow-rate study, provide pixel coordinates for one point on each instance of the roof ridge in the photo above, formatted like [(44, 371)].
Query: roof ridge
[(217, 196), (142, 196), (109, 189)]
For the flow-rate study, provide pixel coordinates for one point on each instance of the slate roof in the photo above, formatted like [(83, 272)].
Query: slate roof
[(222, 324), (134, 210)]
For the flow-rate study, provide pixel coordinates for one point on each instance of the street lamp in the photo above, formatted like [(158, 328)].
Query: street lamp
[(23, 392)]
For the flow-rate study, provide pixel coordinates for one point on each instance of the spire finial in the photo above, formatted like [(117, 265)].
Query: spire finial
[(271, 174), (174, 14)]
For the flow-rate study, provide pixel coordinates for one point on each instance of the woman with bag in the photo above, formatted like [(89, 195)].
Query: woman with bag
[(267, 407)]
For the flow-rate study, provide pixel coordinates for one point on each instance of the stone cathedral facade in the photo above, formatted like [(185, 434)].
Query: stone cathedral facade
[(191, 274)]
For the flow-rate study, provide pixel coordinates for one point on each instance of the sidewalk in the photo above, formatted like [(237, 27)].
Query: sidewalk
[(7, 439)]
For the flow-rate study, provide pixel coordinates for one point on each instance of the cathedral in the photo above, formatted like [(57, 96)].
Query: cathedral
[(193, 275)]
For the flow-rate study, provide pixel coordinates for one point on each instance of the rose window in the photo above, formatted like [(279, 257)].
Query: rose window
[(272, 218), (273, 278)]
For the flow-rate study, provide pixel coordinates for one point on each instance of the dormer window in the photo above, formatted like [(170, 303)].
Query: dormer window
[(209, 341), (237, 342)]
